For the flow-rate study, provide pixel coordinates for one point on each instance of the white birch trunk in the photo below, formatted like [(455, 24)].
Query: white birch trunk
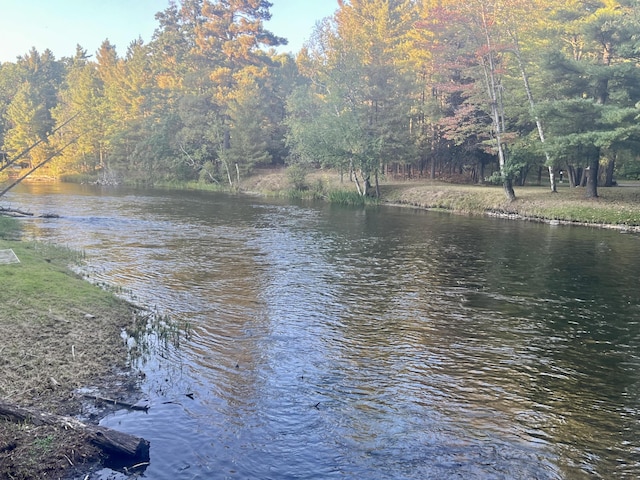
[(497, 113), (527, 88)]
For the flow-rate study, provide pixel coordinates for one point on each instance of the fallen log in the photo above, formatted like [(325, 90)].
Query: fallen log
[(116, 444), (12, 212)]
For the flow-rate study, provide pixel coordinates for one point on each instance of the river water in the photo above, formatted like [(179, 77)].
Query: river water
[(366, 343)]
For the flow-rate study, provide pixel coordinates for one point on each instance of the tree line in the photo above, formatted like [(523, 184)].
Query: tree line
[(500, 91)]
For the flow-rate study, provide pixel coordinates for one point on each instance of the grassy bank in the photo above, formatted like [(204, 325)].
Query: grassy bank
[(616, 207), (59, 333)]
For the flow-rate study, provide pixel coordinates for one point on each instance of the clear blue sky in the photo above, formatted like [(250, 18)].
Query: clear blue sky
[(60, 25)]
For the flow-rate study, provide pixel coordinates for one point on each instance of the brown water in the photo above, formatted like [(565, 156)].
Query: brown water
[(376, 343)]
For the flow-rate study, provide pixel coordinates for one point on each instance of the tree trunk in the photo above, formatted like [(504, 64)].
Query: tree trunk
[(584, 176), (354, 177), (552, 180), (592, 177), (118, 444), (608, 173), (497, 108), (508, 189), (573, 176), (367, 185), (532, 105), (480, 172), (377, 185), (226, 167)]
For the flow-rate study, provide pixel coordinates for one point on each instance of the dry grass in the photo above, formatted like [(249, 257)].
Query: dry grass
[(58, 333), (276, 181), (616, 207)]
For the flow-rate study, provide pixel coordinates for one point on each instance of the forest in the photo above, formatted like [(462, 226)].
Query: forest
[(481, 91)]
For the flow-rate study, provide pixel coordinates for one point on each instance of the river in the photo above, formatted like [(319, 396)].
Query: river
[(366, 343)]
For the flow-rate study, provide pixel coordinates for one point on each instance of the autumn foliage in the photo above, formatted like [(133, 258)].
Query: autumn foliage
[(505, 91)]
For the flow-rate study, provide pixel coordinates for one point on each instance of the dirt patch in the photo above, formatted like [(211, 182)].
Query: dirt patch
[(277, 181)]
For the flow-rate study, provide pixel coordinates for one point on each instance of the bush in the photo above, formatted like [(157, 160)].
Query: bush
[(297, 176)]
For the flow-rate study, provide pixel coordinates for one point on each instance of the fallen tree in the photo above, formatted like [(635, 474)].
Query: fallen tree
[(118, 445), (13, 212), (39, 165)]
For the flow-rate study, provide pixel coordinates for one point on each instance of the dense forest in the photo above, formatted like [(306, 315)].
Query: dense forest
[(502, 91)]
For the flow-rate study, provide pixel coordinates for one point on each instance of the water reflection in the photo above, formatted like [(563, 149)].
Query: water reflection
[(378, 343)]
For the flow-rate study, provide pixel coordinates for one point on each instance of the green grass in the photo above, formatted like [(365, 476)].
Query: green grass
[(47, 309), (345, 197), (615, 206), (44, 444), (78, 178), (43, 277), (297, 194), (9, 228), (350, 198), (59, 333)]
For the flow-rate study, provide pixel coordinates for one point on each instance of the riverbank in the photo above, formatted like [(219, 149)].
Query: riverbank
[(616, 207), (59, 334)]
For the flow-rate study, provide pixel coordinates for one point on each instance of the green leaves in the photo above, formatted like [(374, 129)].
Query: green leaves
[(383, 85)]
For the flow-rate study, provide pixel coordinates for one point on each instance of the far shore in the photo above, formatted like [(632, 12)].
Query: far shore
[(616, 207)]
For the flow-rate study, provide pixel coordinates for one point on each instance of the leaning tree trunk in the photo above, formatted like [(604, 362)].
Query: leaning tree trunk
[(497, 108), (507, 184), (532, 105)]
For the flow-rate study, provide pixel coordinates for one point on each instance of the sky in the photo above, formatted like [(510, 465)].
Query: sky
[(60, 25)]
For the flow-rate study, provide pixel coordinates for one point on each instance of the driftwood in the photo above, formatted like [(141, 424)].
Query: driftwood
[(143, 406), (12, 212), (116, 444)]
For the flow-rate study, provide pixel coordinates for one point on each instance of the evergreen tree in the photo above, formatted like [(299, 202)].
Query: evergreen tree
[(80, 95), (352, 68), (597, 85), (28, 119)]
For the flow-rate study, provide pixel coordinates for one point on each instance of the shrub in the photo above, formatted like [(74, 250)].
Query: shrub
[(297, 176)]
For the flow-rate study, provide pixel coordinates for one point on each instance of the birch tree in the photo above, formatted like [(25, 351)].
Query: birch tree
[(472, 45)]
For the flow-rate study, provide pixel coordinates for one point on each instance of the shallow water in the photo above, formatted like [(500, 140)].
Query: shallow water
[(330, 342)]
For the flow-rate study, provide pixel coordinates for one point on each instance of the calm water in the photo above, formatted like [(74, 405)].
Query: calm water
[(370, 343)]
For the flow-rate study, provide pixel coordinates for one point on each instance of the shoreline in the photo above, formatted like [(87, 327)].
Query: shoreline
[(61, 337), (617, 208), (523, 218)]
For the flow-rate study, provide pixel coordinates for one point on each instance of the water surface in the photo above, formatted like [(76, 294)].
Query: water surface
[(331, 342)]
